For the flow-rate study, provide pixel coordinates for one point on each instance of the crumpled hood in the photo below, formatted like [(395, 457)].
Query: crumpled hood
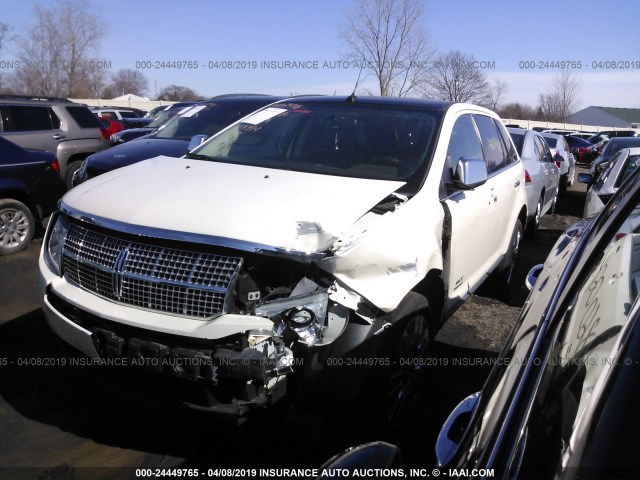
[(284, 209)]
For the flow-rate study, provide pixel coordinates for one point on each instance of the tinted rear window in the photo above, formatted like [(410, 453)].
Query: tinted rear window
[(552, 142), (28, 118), (518, 140), (83, 117), (127, 114)]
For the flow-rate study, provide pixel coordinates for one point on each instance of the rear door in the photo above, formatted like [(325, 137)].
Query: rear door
[(31, 126)]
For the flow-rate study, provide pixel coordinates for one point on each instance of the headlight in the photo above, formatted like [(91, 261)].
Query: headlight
[(305, 314), (55, 243)]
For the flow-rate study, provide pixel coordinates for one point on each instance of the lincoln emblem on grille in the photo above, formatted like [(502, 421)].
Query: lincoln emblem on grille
[(118, 267)]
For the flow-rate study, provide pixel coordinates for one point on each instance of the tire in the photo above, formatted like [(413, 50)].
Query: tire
[(17, 226), (72, 168), (406, 347), (532, 229)]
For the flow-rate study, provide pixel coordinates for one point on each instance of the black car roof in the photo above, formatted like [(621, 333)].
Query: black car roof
[(371, 100), (243, 98)]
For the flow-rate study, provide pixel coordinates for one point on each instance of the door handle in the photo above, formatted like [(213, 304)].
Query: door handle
[(517, 184), (58, 136)]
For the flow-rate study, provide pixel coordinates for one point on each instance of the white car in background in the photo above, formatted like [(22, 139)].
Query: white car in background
[(542, 177), (564, 159), (620, 167)]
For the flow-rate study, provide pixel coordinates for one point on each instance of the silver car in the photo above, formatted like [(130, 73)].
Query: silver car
[(542, 177), (619, 168), (563, 158)]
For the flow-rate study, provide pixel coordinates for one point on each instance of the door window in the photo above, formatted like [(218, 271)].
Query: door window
[(495, 153), (24, 118), (464, 142)]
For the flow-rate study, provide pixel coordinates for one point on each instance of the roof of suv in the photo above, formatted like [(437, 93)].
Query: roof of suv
[(35, 99), (400, 101)]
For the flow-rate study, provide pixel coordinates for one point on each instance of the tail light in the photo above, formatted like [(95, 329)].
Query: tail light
[(55, 165), (527, 177), (104, 133)]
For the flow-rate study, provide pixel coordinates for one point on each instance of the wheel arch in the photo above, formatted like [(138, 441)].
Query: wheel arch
[(11, 194), (432, 288)]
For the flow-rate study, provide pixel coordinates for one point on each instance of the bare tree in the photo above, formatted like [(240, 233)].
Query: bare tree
[(387, 37), (4, 39), (56, 52), (127, 81), (561, 99), (4, 35), (518, 111), (495, 94), (456, 76), (178, 93)]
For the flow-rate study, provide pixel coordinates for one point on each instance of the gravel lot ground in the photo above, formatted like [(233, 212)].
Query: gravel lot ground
[(58, 425)]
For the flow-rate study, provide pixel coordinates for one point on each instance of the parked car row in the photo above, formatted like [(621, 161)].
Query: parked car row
[(157, 120), (185, 128), (542, 176), (54, 125), (30, 187)]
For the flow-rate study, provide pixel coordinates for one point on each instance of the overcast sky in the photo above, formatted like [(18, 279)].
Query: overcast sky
[(503, 34)]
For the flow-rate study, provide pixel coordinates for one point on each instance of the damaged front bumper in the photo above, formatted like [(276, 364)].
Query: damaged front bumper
[(238, 373)]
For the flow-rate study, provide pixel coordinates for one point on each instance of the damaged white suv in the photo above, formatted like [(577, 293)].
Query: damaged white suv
[(313, 246)]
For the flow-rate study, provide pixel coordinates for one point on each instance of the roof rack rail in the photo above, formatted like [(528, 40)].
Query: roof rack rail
[(34, 97)]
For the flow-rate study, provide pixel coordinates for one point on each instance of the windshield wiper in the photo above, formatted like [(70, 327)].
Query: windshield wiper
[(198, 156)]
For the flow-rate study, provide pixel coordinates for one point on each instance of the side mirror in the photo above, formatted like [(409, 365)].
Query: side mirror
[(455, 428), (196, 141), (368, 455), (471, 172), (532, 276), (585, 178)]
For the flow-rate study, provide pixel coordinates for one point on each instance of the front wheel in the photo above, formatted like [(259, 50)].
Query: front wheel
[(407, 363), (17, 226)]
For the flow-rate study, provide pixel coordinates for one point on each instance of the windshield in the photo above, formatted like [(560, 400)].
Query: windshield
[(204, 119), (369, 141), (615, 146), (163, 117)]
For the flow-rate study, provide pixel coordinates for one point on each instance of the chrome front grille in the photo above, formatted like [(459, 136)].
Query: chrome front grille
[(175, 281)]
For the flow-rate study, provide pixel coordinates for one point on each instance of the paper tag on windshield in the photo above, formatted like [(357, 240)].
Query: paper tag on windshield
[(264, 115)]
